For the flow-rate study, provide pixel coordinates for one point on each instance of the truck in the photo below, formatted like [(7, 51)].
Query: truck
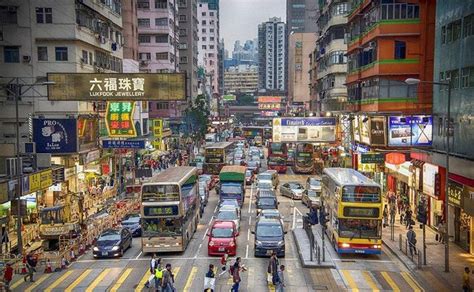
[(232, 183)]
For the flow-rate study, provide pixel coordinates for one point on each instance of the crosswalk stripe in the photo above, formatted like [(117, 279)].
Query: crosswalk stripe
[(350, 280), (97, 280), (142, 281), (121, 280), (412, 282), (37, 282), (175, 272), (78, 280), (17, 283), (390, 281), (58, 281), (190, 280), (370, 281)]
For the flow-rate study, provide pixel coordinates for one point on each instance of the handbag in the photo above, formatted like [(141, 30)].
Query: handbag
[(209, 283), (269, 278)]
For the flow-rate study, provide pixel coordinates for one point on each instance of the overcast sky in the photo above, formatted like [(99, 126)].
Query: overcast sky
[(239, 19)]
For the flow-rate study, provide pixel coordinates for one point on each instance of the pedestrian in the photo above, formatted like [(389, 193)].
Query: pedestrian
[(466, 280), (152, 270), (272, 268), (158, 275), (224, 260), (393, 212), (235, 270), (31, 262), (210, 279), (280, 284), (8, 276), (167, 283), (408, 220), (385, 216), (441, 231), (411, 237)]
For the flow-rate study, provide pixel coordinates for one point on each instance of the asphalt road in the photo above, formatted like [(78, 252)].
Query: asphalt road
[(356, 273)]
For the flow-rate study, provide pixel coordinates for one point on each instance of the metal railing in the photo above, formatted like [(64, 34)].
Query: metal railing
[(412, 251), (314, 248)]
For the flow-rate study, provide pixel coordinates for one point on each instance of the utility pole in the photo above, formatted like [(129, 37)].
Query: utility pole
[(18, 168)]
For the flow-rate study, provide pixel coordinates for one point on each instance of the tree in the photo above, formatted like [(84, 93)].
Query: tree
[(245, 99), (196, 118)]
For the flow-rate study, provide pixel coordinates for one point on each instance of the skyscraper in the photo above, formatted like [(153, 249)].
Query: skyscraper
[(301, 15)]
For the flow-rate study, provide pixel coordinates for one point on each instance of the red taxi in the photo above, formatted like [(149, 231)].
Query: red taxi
[(222, 238)]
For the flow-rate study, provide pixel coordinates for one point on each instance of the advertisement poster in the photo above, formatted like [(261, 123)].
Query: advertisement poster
[(88, 132), (410, 131), (356, 128), (377, 131), (55, 135), (364, 130), (429, 173), (119, 119), (312, 130)]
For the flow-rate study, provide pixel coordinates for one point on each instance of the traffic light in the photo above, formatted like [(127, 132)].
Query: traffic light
[(323, 217), (421, 214)]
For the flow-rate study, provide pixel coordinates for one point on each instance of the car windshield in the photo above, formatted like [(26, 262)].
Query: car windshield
[(314, 182), (266, 202), (131, 220), (296, 186), (227, 215), (313, 194), (265, 176), (232, 203), (267, 230), (360, 228), (109, 236), (265, 185), (221, 232), (276, 161)]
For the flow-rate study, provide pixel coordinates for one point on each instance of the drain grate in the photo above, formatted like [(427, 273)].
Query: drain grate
[(320, 288)]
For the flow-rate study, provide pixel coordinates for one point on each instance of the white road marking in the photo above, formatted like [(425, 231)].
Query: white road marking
[(250, 220), (215, 209), (247, 251), (139, 254), (197, 252), (205, 234), (165, 257), (210, 221), (248, 234), (250, 201)]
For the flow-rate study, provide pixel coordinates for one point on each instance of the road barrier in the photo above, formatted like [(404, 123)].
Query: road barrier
[(414, 253)]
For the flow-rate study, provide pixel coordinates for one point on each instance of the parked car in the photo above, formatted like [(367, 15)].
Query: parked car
[(222, 238), (249, 177), (269, 237), (132, 223), (266, 201), (112, 243), (203, 193), (311, 198), (271, 214), (293, 190), (227, 214)]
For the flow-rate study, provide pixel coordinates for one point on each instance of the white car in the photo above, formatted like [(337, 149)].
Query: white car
[(229, 215)]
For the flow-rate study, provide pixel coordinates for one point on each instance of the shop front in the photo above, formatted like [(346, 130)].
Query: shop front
[(398, 179), (432, 189)]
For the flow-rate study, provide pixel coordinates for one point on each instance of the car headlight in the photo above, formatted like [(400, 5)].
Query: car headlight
[(258, 242), (95, 248), (280, 243), (115, 248)]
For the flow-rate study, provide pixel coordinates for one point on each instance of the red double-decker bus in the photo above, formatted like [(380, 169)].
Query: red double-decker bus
[(277, 156)]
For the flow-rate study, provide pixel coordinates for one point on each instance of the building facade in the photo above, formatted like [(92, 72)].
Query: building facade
[(241, 79), (300, 46), (188, 44), (208, 43), (272, 55), (301, 15), (331, 56)]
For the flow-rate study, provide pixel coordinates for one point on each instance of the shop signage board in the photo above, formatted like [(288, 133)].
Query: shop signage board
[(117, 86), (157, 128), (229, 97), (410, 130), (455, 193), (4, 192), (364, 129), (468, 199), (429, 174), (88, 132), (377, 131), (311, 129), (91, 156), (119, 119), (39, 181), (356, 128), (269, 106), (55, 135), (372, 158), (127, 144), (269, 99)]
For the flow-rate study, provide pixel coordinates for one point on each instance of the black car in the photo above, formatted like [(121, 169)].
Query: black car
[(112, 243), (132, 223), (266, 202), (269, 237)]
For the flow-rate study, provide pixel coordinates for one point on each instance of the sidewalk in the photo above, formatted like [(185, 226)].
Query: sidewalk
[(432, 274)]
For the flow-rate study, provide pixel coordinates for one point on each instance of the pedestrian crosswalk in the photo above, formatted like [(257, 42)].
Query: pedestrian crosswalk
[(360, 280)]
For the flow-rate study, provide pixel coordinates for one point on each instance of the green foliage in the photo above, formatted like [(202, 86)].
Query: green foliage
[(196, 118), (245, 99)]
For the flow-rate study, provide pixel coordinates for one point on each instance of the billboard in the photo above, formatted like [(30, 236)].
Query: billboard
[(117, 86), (269, 106), (410, 130), (229, 97), (88, 132), (314, 129), (377, 131), (269, 99), (119, 119), (356, 128), (364, 129), (55, 135), (123, 144)]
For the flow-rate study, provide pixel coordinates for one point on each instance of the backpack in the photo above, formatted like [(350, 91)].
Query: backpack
[(275, 279), (232, 270)]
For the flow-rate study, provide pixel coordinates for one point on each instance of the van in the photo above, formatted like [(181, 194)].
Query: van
[(269, 237), (269, 175)]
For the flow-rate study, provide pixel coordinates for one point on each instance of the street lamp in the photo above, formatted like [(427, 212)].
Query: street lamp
[(414, 81)]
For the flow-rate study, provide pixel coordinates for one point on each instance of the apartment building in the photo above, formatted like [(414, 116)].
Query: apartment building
[(208, 44), (241, 79), (300, 46), (301, 15)]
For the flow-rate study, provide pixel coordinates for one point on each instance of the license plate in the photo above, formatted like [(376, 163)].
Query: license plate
[(221, 248), (269, 252), (104, 253)]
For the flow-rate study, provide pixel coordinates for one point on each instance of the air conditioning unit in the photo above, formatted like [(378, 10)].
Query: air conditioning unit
[(43, 160), (143, 63), (26, 59)]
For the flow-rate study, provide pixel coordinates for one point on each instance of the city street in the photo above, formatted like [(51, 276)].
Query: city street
[(129, 273)]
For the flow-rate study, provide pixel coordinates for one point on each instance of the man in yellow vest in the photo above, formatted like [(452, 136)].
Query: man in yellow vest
[(158, 276)]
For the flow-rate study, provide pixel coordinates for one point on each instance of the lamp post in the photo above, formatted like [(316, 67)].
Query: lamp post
[(414, 81)]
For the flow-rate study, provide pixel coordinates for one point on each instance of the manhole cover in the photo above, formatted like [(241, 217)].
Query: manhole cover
[(320, 287)]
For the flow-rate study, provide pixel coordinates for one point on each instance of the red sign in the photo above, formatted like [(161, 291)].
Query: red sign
[(269, 99), (395, 158), (105, 169)]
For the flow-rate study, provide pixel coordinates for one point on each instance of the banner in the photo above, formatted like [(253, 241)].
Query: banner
[(356, 128), (55, 135), (229, 97), (88, 132), (377, 131), (410, 131), (117, 86), (269, 106), (119, 119), (128, 144), (313, 129), (364, 129), (39, 181)]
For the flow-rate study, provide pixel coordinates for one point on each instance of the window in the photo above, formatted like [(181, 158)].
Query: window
[(143, 22), (203, 30), (182, 18), (211, 13), (161, 4), (400, 50), (161, 38), (183, 32), (8, 15), (162, 56), (204, 39), (43, 54), (44, 15), (456, 30), (443, 34), (211, 30), (204, 47), (183, 60), (162, 105), (85, 57), (143, 38), (211, 47), (468, 25), (143, 4), (203, 22), (144, 56), (61, 54), (203, 14), (91, 58), (161, 21), (11, 54), (211, 39)]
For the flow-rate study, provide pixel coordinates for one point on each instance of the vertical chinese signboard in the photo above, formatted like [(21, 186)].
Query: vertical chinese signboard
[(157, 133), (119, 119)]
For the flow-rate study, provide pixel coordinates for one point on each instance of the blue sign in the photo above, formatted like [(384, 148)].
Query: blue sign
[(55, 135), (308, 121), (130, 144), (410, 130)]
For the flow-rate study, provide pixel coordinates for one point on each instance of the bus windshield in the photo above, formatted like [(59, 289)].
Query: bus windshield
[(365, 194), (276, 161), (360, 228), (304, 161), (160, 193), (162, 227)]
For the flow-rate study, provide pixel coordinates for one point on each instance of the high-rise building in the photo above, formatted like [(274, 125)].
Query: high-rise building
[(130, 28), (301, 15), (158, 41), (331, 56), (241, 79), (272, 55), (188, 44), (220, 59), (300, 46), (208, 44)]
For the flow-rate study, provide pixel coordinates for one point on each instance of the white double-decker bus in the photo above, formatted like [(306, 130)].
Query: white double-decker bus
[(170, 210)]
